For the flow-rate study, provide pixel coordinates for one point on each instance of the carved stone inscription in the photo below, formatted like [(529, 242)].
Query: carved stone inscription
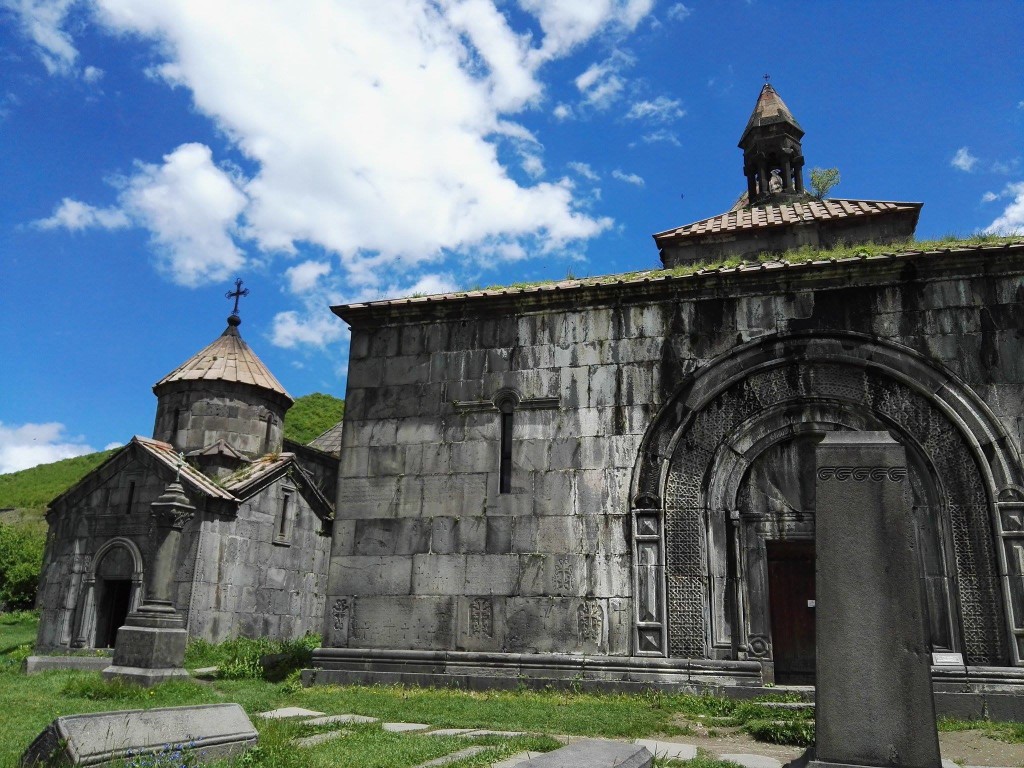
[(590, 619), (481, 618), (874, 474)]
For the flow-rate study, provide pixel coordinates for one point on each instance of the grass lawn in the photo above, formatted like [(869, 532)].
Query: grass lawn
[(30, 703)]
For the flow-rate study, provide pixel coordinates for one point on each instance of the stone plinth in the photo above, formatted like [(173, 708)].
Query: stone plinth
[(874, 703)]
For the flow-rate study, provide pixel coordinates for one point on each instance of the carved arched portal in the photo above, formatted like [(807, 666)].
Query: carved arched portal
[(723, 476), (111, 590)]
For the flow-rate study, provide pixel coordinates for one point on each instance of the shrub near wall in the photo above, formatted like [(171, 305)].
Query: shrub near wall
[(21, 558)]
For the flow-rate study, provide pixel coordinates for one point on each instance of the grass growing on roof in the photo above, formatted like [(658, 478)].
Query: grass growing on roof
[(796, 256)]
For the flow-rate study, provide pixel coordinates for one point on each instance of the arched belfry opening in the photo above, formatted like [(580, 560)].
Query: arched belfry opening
[(724, 507)]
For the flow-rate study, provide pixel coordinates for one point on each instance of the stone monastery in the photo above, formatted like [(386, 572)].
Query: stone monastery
[(609, 480)]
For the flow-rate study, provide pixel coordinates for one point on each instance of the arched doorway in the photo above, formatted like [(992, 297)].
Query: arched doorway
[(722, 496), (111, 590)]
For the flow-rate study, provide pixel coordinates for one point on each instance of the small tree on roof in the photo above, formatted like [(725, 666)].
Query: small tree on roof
[(823, 180)]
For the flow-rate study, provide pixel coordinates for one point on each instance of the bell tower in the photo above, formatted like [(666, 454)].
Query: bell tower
[(773, 159)]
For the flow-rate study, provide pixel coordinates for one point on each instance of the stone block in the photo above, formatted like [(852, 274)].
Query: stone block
[(438, 574), (671, 750), (205, 733), (35, 664), (403, 622), (594, 753), (491, 574), (499, 535), (355, 575)]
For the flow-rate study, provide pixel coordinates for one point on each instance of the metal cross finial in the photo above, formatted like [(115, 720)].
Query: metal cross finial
[(767, 77), (181, 461), (236, 294)]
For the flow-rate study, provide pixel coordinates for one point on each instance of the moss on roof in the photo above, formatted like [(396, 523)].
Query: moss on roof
[(799, 256)]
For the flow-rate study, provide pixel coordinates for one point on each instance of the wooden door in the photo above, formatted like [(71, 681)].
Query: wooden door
[(791, 597)]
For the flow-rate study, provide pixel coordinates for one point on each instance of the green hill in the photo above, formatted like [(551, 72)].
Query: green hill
[(32, 489), (29, 491), (312, 415)]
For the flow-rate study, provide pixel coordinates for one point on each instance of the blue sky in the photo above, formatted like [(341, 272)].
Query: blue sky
[(331, 151)]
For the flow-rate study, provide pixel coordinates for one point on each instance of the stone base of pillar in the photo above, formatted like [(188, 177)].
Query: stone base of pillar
[(150, 647)]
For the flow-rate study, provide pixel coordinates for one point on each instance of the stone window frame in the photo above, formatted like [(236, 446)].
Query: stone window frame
[(284, 523), (506, 401)]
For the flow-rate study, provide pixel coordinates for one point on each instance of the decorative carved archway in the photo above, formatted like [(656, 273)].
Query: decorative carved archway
[(86, 614), (690, 462)]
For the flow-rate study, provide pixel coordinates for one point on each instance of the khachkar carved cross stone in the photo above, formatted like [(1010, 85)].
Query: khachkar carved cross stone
[(150, 647), (874, 704)]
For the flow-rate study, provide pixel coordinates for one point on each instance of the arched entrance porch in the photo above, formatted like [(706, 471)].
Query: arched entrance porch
[(722, 485)]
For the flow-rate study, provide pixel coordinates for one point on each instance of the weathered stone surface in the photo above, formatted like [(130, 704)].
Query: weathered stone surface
[(330, 719), (36, 664), (404, 727), (594, 753), (671, 750), (873, 699), (205, 732), (288, 712), (752, 761)]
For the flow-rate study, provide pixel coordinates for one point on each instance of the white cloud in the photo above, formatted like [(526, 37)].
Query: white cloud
[(963, 160), (677, 12), (661, 135), (567, 23), (112, 446), (1006, 167), (304, 277), (41, 22), (584, 170), (988, 197), (1011, 222), (75, 215), (629, 178), (601, 83), (533, 165), (662, 110), (28, 445), (92, 74), (397, 160), (562, 112), (190, 207), (291, 330)]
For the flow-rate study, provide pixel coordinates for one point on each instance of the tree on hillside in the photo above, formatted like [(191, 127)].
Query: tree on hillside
[(823, 180)]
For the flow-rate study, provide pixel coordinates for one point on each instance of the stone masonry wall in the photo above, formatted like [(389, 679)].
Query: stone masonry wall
[(250, 583), (428, 554)]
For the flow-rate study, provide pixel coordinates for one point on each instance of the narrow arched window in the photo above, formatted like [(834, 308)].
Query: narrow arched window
[(507, 409), (266, 434)]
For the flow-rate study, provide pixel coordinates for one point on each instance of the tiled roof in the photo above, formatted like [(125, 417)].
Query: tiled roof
[(228, 358), (770, 108), (329, 441), (254, 472), (663, 276), (787, 213), (164, 453)]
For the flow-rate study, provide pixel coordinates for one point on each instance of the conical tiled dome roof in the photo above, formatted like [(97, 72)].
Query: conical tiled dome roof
[(770, 108), (228, 358)]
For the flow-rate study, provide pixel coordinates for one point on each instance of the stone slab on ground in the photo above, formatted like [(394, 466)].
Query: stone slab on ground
[(284, 712), (36, 664), (446, 759), (207, 732), (516, 760), (670, 749), (404, 727), (452, 732), (332, 719), (318, 738), (753, 761), (487, 732), (594, 753), (203, 671)]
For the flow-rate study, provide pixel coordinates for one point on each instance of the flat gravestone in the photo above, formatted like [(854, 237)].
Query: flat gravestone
[(204, 732), (332, 719), (594, 753), (874, 703), (286, 712), (404, 727), (36, 664)]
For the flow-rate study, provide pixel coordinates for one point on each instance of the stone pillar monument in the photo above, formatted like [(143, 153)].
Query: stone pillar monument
[(150, 647), (874, 704)]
